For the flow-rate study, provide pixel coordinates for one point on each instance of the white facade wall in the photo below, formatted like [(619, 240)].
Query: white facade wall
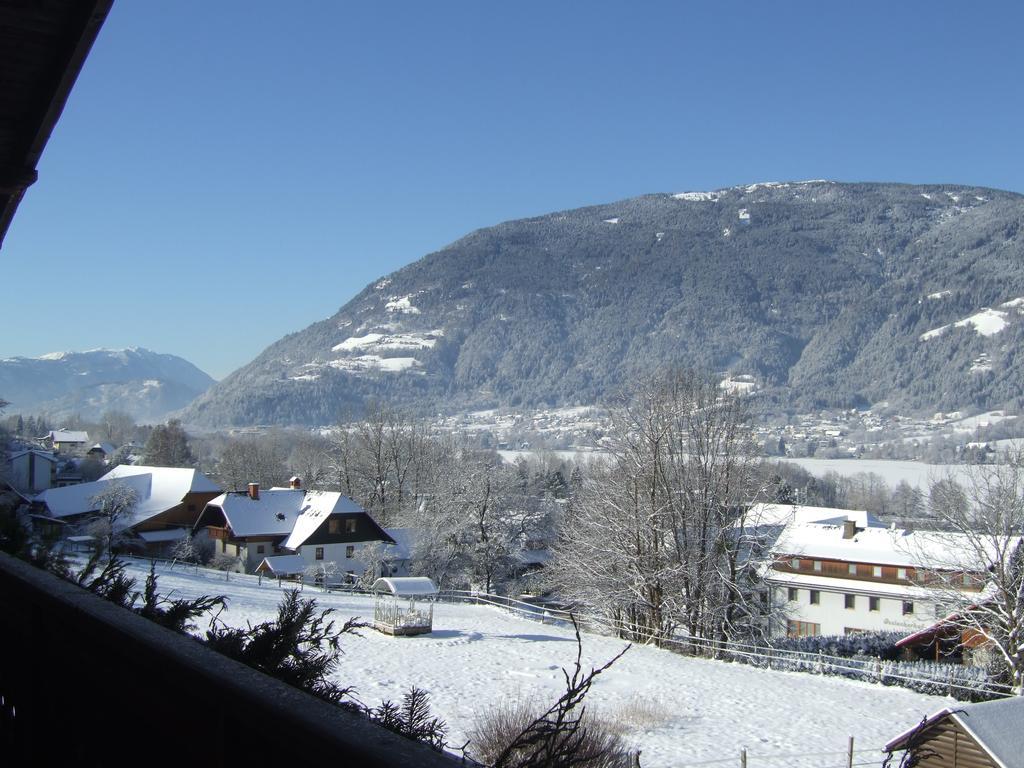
[(335, 553), (834, 618)]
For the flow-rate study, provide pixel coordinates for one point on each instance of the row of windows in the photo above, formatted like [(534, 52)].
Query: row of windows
[(850, 601), (851, 568), (350, 552)]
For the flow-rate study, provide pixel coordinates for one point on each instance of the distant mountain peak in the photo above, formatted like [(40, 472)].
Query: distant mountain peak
[(147, 384)]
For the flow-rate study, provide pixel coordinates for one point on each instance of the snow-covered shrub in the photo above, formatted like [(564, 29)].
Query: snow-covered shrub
[(225, 562), (875, 644)]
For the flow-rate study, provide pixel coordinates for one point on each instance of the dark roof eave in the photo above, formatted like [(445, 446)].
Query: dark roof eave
[(65, 58)]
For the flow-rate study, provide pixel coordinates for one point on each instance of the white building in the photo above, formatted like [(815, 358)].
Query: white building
[(325, 528), (68, 441), (846, 572)]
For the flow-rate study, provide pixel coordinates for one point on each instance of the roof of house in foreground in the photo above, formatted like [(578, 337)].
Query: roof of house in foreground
[(995, 725)]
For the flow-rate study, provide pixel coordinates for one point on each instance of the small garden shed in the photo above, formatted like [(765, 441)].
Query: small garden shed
[(404, 605)]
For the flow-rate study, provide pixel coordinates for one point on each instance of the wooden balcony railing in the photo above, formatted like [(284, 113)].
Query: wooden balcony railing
[(84, 682)]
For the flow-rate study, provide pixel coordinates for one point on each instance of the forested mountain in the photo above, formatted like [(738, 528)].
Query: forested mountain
[(826, 294), (145, 384)]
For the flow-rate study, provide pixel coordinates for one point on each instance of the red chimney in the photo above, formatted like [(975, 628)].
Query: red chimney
[(254, 491), (295, 483)]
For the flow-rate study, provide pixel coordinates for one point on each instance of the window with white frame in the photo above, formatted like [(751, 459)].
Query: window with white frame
[(876, 571), (817, 565)]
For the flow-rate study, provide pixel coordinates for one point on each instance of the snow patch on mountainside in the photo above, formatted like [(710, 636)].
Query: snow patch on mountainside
[(940, 294), (402, 304), (389, 342), (374, 363), (987, 322), (699, 197)]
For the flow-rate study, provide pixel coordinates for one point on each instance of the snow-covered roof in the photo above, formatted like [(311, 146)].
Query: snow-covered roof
[(405, 540), (784, 514), (158, 489), (68, 436), (171, 534), (405, 586), (881, 546), (292, 512), (319, 505), (185, 479), (106, 448), (282, 565), (995, 725)]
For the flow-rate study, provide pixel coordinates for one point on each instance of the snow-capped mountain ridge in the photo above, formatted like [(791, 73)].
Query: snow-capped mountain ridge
[(147, 384)]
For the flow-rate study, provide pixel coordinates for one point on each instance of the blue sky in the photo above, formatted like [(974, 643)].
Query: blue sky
[(229, 172)]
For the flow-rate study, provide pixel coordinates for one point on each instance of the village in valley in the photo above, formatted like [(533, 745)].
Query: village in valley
[(443, 534)]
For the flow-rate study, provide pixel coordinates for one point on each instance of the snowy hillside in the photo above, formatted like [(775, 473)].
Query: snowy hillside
[(680, 711), (815, 294)]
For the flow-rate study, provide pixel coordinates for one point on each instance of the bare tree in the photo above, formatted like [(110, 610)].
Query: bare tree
[(310, 460), (114, 506), (660, 539), (116, 427), (251, 459), (980, 574), (382, 462)]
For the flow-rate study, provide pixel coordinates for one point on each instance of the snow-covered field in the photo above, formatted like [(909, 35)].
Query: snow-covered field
[(916, 473), (680, 711)]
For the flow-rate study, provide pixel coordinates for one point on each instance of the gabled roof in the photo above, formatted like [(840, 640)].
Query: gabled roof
[(883, 546), (106, 448), (784, 514), (995, 725), (282, 565), (319, 506), (68, 436), (292, 512), (172, 480), (158, 489)]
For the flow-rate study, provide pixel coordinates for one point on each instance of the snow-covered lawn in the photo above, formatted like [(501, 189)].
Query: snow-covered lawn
[(680, 711)]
